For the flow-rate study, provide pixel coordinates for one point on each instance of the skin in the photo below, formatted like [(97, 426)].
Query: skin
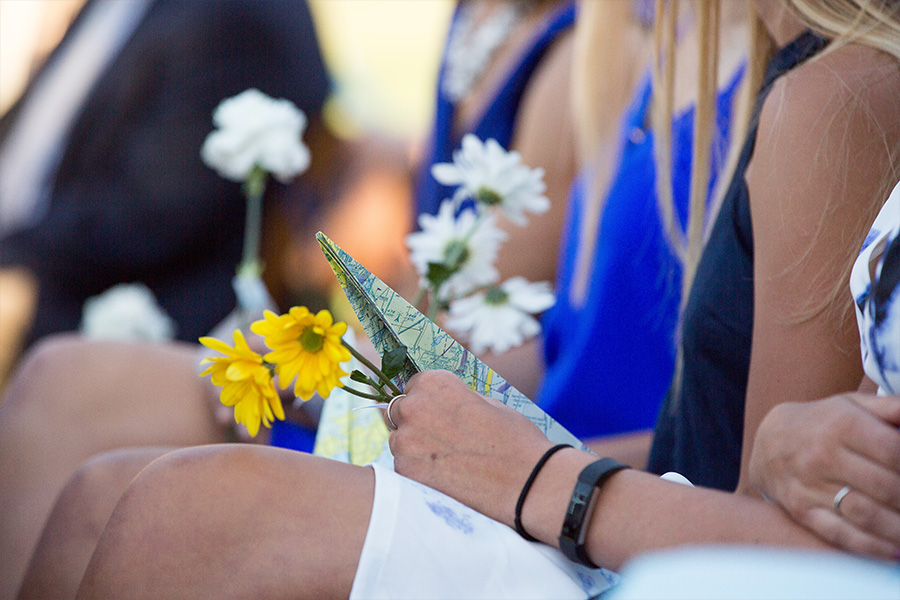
[(804, 454), (202, 549), (44, 440), (799, 353), (78, 518), (166, 539)]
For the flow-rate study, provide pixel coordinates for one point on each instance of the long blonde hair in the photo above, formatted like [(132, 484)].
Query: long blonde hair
[(874, 23), (689, 245)]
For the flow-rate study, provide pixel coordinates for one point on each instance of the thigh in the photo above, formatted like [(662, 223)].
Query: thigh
[(106, 394), (235, 521)]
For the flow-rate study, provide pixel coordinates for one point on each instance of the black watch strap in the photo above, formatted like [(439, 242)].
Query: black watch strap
[(581, 507)]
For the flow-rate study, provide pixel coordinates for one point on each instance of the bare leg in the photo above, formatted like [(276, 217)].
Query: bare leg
[(78, 519), (235, 521), (71, 400)]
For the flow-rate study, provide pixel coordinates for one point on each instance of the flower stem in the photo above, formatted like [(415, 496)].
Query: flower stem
[(363, 394), (254, 188), (368, 364)]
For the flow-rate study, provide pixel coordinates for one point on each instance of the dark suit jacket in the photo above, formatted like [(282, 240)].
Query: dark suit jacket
[(132, 200)]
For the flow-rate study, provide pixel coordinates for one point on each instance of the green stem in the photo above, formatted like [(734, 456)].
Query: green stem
[(254, 188), (378, 386), (368, 364), (362, 394)]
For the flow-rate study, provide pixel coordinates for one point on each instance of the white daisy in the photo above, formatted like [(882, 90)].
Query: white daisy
[(494, 177), (501, 317), (460, 250)]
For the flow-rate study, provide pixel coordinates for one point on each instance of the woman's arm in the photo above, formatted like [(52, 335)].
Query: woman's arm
[(827, 136), (806, 452), (481, 453)]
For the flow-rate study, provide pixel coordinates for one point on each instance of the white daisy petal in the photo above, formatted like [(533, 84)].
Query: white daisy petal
[(500, 325), (487, 170), (255, 130), (482, 239)]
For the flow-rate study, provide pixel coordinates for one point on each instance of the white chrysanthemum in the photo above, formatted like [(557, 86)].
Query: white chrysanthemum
[(255, 130), (475, 240), (494, 176), (127, 311), (501, 318)]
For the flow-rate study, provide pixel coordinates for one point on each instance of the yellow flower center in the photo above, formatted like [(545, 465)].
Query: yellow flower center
[(312, 339)]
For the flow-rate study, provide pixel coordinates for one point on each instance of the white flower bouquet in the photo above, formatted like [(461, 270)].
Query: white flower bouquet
[(455, 250)]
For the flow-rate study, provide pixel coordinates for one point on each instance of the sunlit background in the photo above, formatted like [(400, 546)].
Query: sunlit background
[(383, 56)]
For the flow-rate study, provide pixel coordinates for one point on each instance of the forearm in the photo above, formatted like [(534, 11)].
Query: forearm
[(630, 448), (637, 512)]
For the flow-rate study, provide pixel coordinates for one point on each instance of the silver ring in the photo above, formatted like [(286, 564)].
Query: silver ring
[(838, 498), (392, 425)]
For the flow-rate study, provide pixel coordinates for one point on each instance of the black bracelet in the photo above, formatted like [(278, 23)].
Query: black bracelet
[(581, 507), (534, 472)]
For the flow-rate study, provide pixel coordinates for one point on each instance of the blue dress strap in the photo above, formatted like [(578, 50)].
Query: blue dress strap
[(499, 118)]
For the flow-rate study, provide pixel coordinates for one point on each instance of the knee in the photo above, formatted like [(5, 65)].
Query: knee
[(92, 492), (40, 369), (197, 493), (175, 492), (35, 387)]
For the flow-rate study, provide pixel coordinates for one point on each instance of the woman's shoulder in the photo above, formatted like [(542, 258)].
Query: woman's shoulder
[(832, 119), (853, 86)]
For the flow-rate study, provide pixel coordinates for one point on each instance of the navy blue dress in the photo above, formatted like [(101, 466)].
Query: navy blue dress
[(701, 425)]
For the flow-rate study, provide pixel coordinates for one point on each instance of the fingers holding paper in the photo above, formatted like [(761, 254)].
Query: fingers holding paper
[(469, 447)]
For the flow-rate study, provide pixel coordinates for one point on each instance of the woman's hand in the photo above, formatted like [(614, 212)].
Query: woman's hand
[(470, 447), (806, 453)]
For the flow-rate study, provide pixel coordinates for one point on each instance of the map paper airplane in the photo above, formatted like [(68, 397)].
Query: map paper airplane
[(390, 321)]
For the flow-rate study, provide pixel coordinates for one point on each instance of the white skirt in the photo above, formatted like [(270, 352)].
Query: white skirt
[(422, 544)]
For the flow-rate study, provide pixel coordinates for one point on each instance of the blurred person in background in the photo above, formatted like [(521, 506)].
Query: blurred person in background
[(101, 180)]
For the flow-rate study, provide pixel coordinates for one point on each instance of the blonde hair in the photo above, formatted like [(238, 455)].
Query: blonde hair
[(688, 246), (874, 23)]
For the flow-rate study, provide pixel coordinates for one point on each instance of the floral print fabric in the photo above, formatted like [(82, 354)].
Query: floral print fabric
[(875, 285)]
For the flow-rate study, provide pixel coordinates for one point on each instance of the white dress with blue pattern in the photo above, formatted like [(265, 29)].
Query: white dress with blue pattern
[(875, 285)]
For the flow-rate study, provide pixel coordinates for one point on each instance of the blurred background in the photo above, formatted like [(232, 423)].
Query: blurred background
[(383, 56)]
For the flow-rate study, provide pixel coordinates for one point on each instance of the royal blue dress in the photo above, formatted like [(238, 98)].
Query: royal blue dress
[(610, 360)]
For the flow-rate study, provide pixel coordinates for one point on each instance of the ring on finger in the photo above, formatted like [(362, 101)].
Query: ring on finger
[(838, 498), (392, 424)]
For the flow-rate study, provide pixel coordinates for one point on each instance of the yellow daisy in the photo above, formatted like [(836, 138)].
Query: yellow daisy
[(246, 382), (307, 347)]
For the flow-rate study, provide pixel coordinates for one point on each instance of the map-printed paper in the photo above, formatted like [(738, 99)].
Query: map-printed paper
[(390, 321)]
